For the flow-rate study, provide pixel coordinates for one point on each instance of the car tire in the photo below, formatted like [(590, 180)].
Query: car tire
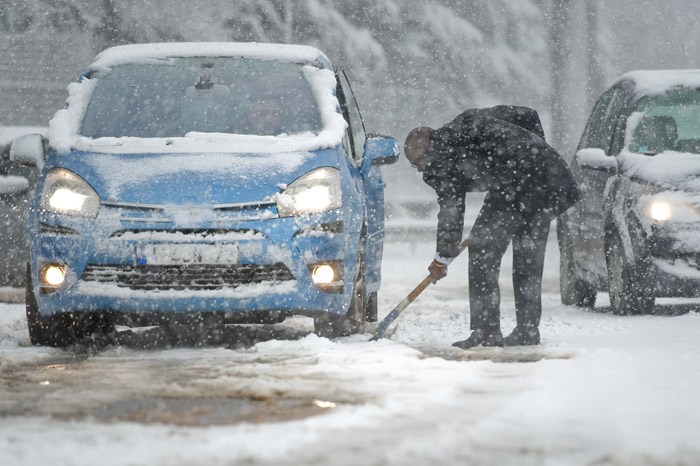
[(631, 285), (59, 330), (371, 310), (334, 325), (574, 290)]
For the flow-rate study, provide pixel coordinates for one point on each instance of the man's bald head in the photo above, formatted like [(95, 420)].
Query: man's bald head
[(416, 146)]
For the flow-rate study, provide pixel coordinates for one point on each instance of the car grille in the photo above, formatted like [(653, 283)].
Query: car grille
[(185, 277)]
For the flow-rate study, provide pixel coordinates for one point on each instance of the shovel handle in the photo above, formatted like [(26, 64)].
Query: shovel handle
[(384, 324)]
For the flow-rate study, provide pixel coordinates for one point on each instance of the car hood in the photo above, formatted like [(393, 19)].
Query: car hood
[(670, 170), (192, 178)]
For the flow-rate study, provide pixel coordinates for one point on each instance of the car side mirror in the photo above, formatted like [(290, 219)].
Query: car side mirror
[(379, 150), (596, 159), (28, 150)]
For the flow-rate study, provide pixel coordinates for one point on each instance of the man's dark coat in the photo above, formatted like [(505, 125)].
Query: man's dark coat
[(500, 150)]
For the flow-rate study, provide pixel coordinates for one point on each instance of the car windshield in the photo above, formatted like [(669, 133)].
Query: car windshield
[(669, 122), (170, 98)]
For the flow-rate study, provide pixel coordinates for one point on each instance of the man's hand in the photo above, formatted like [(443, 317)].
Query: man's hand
[(437, 271)]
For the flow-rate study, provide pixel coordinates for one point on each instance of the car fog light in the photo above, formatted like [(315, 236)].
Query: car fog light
[(323, 274), (328, 275), (54, 275), (660, 211)]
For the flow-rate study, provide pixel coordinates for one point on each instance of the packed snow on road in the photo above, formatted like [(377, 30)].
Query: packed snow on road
[(600, 390)]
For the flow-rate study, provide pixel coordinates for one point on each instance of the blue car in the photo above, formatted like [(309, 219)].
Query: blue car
[(205, 182)]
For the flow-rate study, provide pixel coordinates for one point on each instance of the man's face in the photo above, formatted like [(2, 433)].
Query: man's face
[(416, 153)]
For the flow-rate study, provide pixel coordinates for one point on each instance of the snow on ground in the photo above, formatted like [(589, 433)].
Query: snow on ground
[(600, 390)]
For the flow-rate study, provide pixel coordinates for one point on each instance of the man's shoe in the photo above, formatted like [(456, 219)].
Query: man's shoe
[(523, 336), (481, 337)]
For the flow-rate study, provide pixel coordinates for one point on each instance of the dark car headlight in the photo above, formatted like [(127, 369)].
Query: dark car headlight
[(317, 191), (660, 211), (669, 206), (66, 193)]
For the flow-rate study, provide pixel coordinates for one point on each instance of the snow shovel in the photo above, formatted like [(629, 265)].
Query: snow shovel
[(384, 324)]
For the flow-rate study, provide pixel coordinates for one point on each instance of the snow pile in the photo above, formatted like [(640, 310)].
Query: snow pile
[(672, 170), (323, 83), (10, 133), (678, 268), (656, 82), (65, 125), (13, 184), (140, 53), (121, 172), (596, 159)]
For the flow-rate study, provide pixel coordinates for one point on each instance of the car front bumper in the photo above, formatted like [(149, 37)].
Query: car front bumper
[(245, 265), (675, 254)]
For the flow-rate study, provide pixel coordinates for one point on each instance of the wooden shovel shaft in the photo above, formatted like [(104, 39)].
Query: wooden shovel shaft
[(384, 324)]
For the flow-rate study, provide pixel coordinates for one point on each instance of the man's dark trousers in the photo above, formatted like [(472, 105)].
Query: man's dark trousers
[(497, 223)]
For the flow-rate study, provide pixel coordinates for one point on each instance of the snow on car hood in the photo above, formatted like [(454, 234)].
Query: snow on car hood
[(190, 178), (669, 169)]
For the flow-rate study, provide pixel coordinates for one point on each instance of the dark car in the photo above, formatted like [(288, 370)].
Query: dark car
[(16, 185), (636, 232)]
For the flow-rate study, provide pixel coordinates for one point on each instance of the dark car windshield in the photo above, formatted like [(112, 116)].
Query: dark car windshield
[(169, 98), (669, 122)]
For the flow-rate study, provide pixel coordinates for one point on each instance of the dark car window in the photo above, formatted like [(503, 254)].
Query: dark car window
[(169, 98), (612, 119), (603, 121), (352, 113), (667, 122), (592, 134), (347, 136)]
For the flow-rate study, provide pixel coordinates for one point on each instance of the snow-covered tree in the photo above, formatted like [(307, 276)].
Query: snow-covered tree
[(427, 59)]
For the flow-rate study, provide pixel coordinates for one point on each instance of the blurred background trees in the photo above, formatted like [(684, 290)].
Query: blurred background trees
[(411, 61)]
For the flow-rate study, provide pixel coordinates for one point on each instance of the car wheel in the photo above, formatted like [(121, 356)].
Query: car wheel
[(574, 290), (58, 330), (333, 325), (371, 310), (631, 285)]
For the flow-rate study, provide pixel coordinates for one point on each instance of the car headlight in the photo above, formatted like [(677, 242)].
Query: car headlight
[(66, 193), (317, 191), (660, 211), (661, 206)]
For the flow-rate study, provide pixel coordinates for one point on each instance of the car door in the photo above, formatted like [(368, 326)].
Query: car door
[(372, 184), (587, 217), (16, 186)]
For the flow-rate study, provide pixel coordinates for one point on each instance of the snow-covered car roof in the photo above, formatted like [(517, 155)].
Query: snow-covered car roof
[(136, 52), (64, 127), (659, 81)]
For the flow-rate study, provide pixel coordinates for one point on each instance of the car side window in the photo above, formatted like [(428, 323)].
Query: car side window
[(626, 107), (612, 121), (347, 144), (593, 134), (353, 117)]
